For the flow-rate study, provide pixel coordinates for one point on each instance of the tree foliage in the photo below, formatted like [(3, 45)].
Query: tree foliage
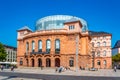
[(116, 58), (3, 53)]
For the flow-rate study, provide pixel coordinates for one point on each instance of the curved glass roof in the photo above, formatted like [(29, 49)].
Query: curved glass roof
[(57, 22)]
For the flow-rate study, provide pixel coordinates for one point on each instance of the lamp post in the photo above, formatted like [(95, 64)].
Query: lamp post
[(77, 50)]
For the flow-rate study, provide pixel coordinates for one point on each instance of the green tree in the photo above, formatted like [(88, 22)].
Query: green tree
[(116, 58), (3, 53)]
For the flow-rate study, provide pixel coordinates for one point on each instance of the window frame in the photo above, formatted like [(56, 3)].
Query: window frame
[(98, 54), (104, 43), (104, 53), (98, 44), (40, 46), (48, 43), (98, 62), (27, 47), (33, 46), (71, 27), (71, 62), (105, 62), (57, 50)]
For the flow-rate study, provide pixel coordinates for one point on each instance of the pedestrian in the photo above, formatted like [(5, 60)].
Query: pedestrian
[(115, 68), (42, 67), (12, 68), (56, 69), (60, 70), (1, 67)]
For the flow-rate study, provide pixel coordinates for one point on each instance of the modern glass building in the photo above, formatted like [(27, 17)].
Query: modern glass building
[(57, 22)]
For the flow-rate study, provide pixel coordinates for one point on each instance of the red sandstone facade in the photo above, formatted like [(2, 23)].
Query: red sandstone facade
[(74, 48)]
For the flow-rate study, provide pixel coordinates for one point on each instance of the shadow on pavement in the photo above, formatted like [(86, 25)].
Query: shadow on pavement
[(9, 77)]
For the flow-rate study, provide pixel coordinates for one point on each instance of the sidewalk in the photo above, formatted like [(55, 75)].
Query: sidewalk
[(51, 71), (15, 78)]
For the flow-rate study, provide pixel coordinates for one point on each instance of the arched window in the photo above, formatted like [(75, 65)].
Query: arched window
[(48, 62), (104, 43), (27, 47), (98, 54), (71, 62), (98, 62), (33, 46), (104, 62), (40, 46), (48, 45), (104, 53), (21, 61), (98, 44), (57, 45)]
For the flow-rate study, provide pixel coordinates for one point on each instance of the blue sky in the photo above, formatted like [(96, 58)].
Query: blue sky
[(101, 15)]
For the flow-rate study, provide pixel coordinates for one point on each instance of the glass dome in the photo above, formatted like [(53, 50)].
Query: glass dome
[(57, 22)]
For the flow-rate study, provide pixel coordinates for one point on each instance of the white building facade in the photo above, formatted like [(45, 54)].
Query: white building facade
[(11, 54), (101, 49)]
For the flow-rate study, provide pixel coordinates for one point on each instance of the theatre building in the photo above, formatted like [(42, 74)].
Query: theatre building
[(58, 40)]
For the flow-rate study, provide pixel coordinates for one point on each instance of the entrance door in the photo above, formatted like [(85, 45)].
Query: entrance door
[(27, 62), (32, 62), (57, 62), (48, 62), (39, 62)]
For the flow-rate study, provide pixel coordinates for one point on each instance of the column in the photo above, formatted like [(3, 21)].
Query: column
[(52, 61)]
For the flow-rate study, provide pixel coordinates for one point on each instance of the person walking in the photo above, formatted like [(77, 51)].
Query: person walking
[(115, 68), (1, 67), (12, 68), (56, 69)]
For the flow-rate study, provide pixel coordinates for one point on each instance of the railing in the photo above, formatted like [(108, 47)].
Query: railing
[(39, 52), (57, 51)]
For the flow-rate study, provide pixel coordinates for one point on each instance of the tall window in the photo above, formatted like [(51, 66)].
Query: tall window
[(104, 53), (71, 27), (98, 44), (21, 61), (71, 62), (27, 47), (57, 45), (104, 43), (98, 54), (48, 45), (40, 46), (33, 46), (105, 63)]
